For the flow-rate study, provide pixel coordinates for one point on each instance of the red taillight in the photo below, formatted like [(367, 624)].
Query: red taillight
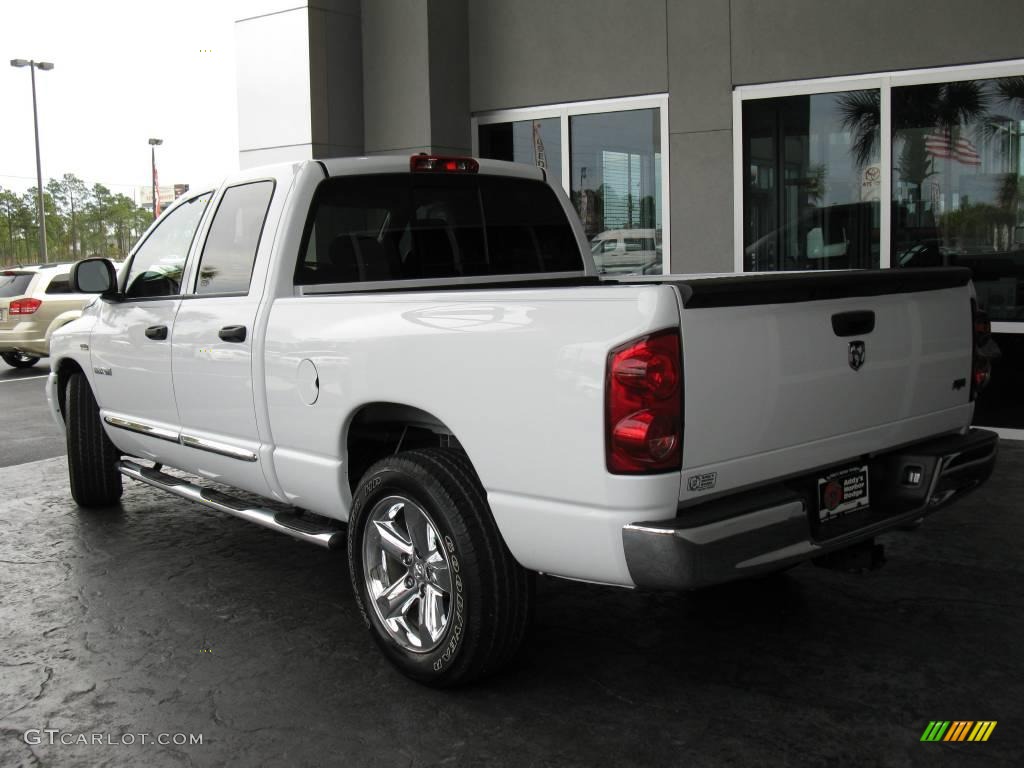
[(643, 391), (442, 164), (981, 362), (24, 306)]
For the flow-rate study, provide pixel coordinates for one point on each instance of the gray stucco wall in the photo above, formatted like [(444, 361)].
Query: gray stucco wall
[(528, 52), (415, 76), (449, 76), (396, 75), (797, 39), (336, 78), (700, 133)]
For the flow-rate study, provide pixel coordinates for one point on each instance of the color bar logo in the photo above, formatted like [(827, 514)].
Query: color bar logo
[(958, 730)]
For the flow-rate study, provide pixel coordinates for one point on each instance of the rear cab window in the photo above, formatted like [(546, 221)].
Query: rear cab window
[(385, 227)]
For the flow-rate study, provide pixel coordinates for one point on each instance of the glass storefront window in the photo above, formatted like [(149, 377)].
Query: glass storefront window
[(536, 142), (812, 184), (958, 184), (615, 185), (612, 171)]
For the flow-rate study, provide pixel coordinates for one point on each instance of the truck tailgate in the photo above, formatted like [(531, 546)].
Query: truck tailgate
[(785, 373)]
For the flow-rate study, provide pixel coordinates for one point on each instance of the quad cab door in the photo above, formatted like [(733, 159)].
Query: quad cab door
[(213, 342), (131, 341)]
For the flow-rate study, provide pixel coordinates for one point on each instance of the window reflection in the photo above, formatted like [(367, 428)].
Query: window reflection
[(616, 188), (535, 142), (230, 250), (615, 178), (811, 192), (958, 184)]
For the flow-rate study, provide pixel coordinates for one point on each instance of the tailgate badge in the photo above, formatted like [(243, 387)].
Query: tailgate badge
[(703, 482), (856, 356)]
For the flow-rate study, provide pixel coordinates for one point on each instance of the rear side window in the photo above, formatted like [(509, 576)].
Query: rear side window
[(60, 284), (408, 227), (13, 285), (230, 249)]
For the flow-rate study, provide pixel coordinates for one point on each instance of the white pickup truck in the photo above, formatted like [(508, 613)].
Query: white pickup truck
[(420, 348)]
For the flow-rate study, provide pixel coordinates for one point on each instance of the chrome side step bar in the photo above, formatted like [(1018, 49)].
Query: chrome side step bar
[(293, 525)]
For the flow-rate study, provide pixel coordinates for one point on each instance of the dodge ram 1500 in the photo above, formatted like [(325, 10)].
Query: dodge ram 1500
[(415, 361)]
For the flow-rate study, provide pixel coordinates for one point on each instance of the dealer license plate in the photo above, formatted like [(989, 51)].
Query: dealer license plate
[(842, 492), (3, 315)]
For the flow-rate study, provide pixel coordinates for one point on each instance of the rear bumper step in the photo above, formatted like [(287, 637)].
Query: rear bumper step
[(772, 528), (284, 522)]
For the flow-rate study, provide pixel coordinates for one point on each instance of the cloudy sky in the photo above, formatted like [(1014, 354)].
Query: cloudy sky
[(124, 71)]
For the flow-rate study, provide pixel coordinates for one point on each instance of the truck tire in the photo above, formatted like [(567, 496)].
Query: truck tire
[(439, 590), (92, 458), (19, 359)]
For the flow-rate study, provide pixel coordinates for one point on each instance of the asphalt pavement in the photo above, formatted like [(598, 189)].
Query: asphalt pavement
[(162, 617), (27, 431)]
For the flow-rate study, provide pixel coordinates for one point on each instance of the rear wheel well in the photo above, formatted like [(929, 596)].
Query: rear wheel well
[(382, 429), (65, 369)]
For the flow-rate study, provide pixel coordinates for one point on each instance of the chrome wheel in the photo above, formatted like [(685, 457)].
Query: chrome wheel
[(407, 573)]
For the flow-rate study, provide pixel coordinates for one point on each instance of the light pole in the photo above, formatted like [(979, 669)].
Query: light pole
[(46, 66), (153, 144)]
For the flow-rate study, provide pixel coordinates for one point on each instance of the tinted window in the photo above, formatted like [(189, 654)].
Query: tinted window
[(812, 182), (160, 261), (13, 285), (60, 284), (958, 185), (615, 183), (230, 249), (404, 227), (537, 142)]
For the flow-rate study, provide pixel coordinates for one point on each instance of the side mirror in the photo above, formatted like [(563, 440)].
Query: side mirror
[(95, 276)]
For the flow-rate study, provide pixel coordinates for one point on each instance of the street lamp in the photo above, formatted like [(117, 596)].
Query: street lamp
[(153, 144), (46, 66)]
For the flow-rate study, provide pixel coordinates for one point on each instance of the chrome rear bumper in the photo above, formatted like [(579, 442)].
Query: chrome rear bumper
[(767, 529)]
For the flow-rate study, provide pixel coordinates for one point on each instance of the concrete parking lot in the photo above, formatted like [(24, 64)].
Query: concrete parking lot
[(160, 617), (27, 432)]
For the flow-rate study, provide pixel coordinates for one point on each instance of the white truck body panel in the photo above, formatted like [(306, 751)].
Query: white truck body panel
[(143, 386), (516, 375)]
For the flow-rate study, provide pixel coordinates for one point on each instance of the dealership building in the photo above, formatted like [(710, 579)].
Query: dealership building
[(691, 135)]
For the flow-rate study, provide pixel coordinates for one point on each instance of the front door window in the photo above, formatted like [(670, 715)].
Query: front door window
[(159, 263)]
